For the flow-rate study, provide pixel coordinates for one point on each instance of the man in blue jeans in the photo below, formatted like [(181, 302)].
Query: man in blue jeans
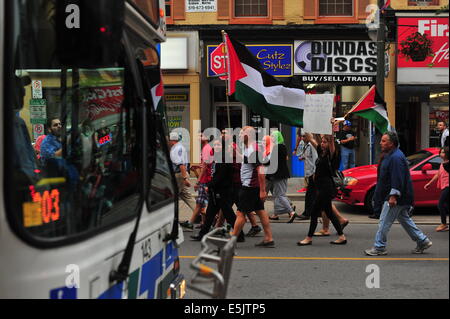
[(394, 188), (346, 139)]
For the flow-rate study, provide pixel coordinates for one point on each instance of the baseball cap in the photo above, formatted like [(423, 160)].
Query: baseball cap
[(347, 123), (174, 136)]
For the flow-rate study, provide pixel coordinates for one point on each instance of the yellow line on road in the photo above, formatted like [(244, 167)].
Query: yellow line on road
[(331, 258)]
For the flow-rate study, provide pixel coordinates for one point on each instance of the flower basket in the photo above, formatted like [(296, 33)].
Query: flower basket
[(417, 47)]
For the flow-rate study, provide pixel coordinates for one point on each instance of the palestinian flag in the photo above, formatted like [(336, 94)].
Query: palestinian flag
[(260, 91), (372, 107), (157, 97)]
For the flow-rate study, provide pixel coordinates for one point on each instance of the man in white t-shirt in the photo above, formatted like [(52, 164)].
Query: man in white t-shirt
[(179, 158)]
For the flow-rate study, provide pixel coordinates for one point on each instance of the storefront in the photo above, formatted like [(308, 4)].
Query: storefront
[(180, 67), (422, 86)]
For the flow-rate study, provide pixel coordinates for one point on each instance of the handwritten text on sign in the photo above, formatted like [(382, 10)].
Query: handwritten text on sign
[(318, 113)]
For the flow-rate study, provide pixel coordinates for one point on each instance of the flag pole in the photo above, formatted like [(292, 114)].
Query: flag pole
[(227, 61)]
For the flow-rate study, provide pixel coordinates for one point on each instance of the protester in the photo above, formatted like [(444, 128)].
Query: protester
[(253, 193), (279, 179), (309, 155), (346, 139), (204, 178), (442, 183), (394, 187), (443, 133), (327, 160), (179, 157), (219, 191)]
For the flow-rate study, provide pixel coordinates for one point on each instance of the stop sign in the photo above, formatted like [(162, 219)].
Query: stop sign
[(218, 64)]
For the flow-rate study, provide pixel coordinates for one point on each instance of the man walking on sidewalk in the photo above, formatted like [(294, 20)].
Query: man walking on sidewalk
[(394, 187)]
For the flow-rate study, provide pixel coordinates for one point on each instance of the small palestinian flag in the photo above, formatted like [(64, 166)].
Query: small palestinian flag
[(260, 91), (372, 107), (157, 96)]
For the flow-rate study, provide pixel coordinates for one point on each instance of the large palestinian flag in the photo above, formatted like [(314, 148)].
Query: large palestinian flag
[(372, 107), (260, 91)]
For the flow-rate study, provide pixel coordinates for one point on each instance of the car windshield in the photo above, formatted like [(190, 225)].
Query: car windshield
[(418, 157)]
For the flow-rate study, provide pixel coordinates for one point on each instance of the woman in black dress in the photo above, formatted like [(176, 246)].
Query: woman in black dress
[(326, 164)]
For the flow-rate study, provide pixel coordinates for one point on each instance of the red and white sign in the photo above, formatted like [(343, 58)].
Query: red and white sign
[(104, 101), (437, 29), (218, 61)]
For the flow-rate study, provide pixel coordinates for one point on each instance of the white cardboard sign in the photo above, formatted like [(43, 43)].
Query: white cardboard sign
[(318, 113)]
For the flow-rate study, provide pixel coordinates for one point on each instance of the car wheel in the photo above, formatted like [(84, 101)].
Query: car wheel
[(368, 203)]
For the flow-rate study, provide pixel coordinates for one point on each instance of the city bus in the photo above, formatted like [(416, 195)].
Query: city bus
[(88, 199)]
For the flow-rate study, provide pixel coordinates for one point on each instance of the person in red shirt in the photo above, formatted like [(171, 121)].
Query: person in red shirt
[(201, 201)]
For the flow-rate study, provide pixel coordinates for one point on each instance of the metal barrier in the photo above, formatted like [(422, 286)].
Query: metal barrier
[(218, 250)]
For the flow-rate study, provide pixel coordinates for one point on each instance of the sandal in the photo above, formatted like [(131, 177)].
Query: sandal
[(274, 218), (304, 244), (321, 234)]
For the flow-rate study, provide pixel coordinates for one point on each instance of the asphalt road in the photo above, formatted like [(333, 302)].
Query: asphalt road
[(324, 271)]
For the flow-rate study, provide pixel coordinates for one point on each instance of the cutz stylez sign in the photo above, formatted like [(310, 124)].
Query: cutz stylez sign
[(336, 61)]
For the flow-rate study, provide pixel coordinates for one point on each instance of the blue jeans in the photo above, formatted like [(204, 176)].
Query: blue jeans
[(387, 218), (347, 158)]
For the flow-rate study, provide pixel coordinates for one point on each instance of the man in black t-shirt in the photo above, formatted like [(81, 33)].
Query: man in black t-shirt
[(346, 139)]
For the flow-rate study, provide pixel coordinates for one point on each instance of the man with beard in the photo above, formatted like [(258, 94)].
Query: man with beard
[(51, 146)]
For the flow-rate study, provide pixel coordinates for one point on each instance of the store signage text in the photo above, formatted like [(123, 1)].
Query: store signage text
[(201, 5), (437, 30), (335, 61), (276, 59)]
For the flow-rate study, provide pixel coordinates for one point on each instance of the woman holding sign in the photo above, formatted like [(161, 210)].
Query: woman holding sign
[(326, 164)]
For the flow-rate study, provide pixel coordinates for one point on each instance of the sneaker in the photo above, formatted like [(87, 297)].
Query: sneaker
[(422, 246), (254, 231), (187, 225), (375, 251), (373, 216), (266, 244)]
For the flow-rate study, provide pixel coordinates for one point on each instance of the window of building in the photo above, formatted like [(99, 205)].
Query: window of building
[(168, 7), (342, 8), (251, 8), (423, 3)]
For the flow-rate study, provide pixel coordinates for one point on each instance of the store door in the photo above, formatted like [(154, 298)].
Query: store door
[(236, 116)]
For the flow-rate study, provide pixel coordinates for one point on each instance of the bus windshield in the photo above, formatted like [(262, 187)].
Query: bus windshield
[(74, 134)]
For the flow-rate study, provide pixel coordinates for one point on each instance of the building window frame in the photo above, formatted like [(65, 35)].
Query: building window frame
[(250, 20), (336, 19)]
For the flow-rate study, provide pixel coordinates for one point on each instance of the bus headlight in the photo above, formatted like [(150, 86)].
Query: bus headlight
[(350, 181)]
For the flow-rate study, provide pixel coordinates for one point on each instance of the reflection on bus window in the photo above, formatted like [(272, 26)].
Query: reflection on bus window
[(76, 164)]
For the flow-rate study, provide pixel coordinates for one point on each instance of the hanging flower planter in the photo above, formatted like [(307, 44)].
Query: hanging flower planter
[(417, 47)]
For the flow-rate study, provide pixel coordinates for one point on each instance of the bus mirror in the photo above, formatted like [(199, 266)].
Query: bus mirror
[(89, 32)]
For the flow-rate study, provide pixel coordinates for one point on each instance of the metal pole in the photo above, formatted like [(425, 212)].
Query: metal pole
[(381, 65), (227, 63)]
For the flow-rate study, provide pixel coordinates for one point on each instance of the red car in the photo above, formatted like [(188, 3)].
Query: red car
[(360, 181)]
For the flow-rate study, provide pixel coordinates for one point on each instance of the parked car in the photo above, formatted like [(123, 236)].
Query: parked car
[(360, 181)]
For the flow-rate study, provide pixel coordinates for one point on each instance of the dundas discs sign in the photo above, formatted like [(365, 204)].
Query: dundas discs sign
[(336, 61)]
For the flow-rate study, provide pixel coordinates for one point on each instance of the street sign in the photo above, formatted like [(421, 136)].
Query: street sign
[(36, 87), (218, 61), (38, 111)]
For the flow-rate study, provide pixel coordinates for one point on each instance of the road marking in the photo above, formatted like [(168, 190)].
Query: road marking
[(331, 258)]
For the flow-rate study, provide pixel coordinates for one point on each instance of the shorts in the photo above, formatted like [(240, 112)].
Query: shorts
[(249, 200), (202, 197)]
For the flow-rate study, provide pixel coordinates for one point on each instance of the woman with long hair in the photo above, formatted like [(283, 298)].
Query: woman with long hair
[(326, 164), (442, 183)]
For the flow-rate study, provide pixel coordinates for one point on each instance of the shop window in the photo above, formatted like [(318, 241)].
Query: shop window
[(168, 5), (336, 8), (423, 3), (251, 8)]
